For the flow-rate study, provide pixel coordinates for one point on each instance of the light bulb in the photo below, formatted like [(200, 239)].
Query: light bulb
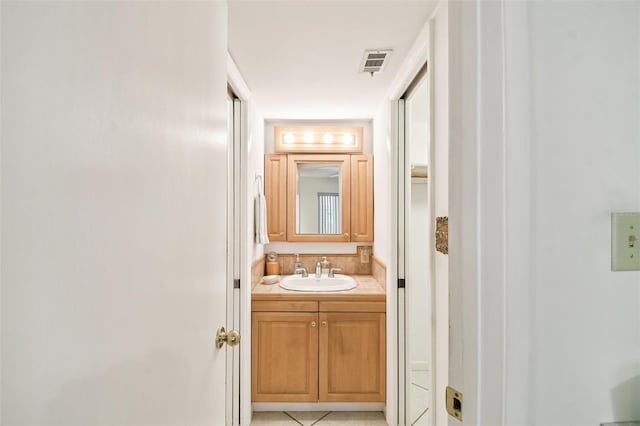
[(308, 137), (288, 138), (327, 138), (347, 139)]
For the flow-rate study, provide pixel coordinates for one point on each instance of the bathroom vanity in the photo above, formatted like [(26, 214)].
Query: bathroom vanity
[(319, 346)]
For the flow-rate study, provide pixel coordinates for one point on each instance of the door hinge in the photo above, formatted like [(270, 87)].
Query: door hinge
[(400, 282), (236, 283), (454, 403)]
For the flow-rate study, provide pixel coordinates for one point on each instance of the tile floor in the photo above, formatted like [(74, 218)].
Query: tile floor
[(419, 403), (420, 399), (320, 418)]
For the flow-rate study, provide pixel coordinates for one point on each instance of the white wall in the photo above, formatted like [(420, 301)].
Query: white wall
[(551, 335), (439, 172), (113, 152), (255, 165), (585, 164)]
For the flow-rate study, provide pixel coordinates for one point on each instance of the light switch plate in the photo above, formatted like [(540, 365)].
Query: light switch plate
[(625, 241)]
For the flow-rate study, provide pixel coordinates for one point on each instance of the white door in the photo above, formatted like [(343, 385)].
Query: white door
[(114, 204)]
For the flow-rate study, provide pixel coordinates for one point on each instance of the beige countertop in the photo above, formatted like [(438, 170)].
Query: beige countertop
[(368, 289)]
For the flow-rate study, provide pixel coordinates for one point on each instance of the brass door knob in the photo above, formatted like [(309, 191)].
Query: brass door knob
[(324, 323), (232, 338), (313, 323)]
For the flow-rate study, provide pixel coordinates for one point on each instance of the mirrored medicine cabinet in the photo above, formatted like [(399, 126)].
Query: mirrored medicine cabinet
[(319, 197)]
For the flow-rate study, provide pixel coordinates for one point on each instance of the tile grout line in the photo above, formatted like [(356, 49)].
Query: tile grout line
[(294, 419), (420, 416), (421, 387), (317, 421)]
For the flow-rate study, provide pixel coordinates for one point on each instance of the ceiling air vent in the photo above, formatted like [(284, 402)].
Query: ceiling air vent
[(374, 60)]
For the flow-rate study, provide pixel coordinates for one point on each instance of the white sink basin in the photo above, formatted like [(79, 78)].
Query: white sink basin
[(311, 283)]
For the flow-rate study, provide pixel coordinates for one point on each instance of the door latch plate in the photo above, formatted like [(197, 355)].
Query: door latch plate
[(454, 403)]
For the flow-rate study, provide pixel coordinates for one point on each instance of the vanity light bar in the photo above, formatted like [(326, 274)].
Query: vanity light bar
[(318, 139)]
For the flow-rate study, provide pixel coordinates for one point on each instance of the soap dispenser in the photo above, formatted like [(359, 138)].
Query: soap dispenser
[(325, 264)]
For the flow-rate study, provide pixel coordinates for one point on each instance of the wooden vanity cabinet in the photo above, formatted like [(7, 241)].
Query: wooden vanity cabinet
[(349, 362)]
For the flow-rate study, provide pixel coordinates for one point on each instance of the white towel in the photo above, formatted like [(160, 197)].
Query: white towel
[(260, 215)]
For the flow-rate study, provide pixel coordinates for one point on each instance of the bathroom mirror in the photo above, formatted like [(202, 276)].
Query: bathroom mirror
[(318, 198)]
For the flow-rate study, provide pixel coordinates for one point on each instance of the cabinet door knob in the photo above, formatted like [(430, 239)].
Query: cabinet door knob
[(313, 323), (346, 235), (324, 323)]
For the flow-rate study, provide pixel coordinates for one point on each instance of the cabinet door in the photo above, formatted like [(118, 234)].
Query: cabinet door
[(361, 198), (352, 357), (275, 188), (284, 357)]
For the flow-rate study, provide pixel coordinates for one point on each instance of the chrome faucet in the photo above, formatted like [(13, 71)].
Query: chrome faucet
[(332, 270), (302, 271), (318, 270)]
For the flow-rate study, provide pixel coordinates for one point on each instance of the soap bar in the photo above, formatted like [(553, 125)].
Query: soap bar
[(273, 268)]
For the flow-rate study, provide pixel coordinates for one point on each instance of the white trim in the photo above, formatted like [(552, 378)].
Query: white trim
[(415, 59), (236, 81), (393, 326), (318, 406), (240, 88), (238, 247), (402, 358)]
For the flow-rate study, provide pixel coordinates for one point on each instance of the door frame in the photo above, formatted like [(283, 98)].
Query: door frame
[(405, 229), (242, 298), (419, 55)]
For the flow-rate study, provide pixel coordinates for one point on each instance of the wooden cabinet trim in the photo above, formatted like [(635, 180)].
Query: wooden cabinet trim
[(340, 306), (284, 306)]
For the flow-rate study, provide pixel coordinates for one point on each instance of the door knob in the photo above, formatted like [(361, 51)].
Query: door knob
[(231, 338)]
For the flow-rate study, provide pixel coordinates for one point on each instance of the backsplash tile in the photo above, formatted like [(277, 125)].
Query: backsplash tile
[(379, 271), (257, 271), (349, 263)]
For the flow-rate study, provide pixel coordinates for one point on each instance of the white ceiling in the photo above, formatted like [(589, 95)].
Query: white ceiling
[(300, 59)]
